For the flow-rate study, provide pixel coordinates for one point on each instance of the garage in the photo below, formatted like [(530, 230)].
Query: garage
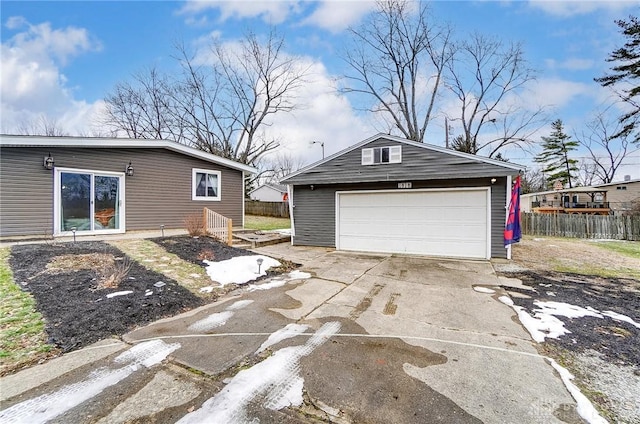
[(449, 223), (387, 194)]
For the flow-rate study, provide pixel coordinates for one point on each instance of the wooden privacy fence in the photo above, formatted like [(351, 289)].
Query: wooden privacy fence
[(217, 226), (582, 226), (277, 209)]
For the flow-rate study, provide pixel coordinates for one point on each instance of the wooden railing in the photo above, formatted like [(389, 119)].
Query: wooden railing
[(217, 226)]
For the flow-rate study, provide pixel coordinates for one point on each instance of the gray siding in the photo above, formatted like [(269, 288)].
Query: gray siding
[(314, 210), (158, 194), (418, 163)]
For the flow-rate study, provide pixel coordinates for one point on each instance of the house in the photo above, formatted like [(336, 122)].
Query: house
[(621, 195), (576, 200), (58, 185), (389, 194), (601, 199), (269, 193)]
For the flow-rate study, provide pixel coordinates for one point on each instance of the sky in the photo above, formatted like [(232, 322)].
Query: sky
[(60, 59)]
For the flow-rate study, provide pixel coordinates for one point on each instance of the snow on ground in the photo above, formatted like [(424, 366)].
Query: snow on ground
[(280, 281), (277, 378), (291, 330), (239, 270), (218, 319), (119, 293), (543, 322), (284, 231), (46, 407), (483, 290), (585, 408)]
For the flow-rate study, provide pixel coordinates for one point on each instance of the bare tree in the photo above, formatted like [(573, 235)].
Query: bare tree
[(42, 125), (397, 60), (533, 180), (279, 166), (220, 103), (144, 108), (607, 144), (586, 174), (486, 76)]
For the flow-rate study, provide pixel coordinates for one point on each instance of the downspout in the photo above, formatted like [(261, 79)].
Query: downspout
[(291, 206)]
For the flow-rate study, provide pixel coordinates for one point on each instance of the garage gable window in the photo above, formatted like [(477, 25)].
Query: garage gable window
[(205, 184), (377, 155)]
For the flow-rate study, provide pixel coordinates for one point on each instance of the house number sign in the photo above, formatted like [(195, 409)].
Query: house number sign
[(404, 185)]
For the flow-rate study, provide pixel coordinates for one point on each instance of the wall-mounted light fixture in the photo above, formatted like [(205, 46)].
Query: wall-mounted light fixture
[(311, 187), (48, 162), (129, 170), (493, 180)]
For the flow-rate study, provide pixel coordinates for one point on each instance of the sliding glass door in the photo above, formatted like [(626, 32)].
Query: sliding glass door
[(88, 201)]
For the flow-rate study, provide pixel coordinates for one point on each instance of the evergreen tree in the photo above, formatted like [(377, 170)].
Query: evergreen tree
[(626, 77), (555, 156)]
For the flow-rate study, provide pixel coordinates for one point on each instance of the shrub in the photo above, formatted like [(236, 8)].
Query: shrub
[(194, 225)]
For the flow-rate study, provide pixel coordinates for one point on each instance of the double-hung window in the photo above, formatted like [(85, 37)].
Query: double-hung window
[(205, 185), (377, 155)]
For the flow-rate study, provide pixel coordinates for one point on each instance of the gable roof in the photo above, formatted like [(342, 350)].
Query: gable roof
[(277, 187), (128, 143), (429, 147)]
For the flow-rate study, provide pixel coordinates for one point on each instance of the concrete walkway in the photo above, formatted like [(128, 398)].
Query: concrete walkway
[(370, 338)]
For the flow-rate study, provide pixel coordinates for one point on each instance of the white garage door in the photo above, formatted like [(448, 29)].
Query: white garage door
[(438, 223)]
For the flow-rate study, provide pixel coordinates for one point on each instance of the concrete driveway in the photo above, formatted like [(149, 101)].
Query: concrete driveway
[(368, 338)]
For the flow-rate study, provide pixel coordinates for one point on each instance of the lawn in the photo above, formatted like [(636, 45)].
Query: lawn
[(266, 223), (627, 248), (22, 336)]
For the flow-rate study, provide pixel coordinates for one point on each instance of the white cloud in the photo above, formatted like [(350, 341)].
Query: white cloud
[(32, 84), (571, 64), (336, 16), (326, 116), (557, 92), (272, 12), (580, 7)]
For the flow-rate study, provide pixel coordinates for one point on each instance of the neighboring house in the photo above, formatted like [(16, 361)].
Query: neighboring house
[(269, 193), (622, 195), (600, 199), (53, 185), (388, 194)]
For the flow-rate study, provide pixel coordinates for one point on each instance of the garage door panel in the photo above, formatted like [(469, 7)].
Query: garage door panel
[(439, 223)]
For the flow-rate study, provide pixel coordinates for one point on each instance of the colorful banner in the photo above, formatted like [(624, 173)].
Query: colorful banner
[(512, 231)]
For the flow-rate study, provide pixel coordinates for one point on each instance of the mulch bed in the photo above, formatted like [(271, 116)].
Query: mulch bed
[(75, 307), (197, 249), (616, 340)]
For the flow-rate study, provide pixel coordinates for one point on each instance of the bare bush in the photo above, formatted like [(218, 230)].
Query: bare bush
[(114, 273), (194, 225)]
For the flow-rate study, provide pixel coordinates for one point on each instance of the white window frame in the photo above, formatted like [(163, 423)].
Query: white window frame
[(57, 230), (194, 185), (368, 155)]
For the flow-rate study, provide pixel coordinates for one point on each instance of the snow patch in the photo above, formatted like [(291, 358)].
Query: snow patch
[(543, 322), (46, 407), (266, 286), (207, 289), (119, 293), (277, 378), (239, 270), (298, 275), (483, 290), (291, 330), (585, 408), (239, 305), (620, 317), (215, 320)]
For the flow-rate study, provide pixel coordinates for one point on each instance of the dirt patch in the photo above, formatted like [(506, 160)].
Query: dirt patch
[(65, 278), (615, 340), (573, 255)]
